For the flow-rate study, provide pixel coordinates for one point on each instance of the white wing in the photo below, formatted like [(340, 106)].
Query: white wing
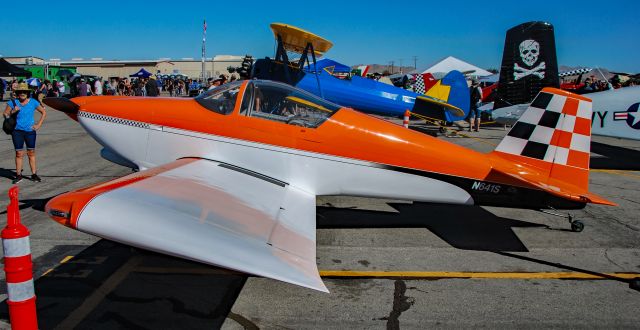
[(216, 214)]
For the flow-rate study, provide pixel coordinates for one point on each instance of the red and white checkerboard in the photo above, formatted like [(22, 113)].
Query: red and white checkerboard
[(555, 128)]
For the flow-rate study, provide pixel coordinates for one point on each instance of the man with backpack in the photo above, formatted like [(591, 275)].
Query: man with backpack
[(475, 93)]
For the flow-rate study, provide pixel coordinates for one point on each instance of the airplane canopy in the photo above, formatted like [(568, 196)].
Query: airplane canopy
[(295, 39), (451, 63)]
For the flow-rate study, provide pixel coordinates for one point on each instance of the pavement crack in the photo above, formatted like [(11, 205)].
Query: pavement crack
[(606, 255), (629, 200), (401, 303), (243, 321)]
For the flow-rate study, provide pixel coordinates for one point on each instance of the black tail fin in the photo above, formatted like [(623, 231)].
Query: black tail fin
[(528, 64)]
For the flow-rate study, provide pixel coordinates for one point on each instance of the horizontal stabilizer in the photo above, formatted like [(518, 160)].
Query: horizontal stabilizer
[(452, 108)]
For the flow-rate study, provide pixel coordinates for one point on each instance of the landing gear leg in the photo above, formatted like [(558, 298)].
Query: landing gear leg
[(576, 225), (635, 284)]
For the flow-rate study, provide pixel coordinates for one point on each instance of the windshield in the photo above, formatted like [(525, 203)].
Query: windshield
[(283, 103), (221, 99)]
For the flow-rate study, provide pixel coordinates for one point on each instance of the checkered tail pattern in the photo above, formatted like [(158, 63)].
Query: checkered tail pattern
[(556, 128), (419, 86)]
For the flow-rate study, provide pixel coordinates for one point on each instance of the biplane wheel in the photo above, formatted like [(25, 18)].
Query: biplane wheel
[(635, 284), (577, 226)]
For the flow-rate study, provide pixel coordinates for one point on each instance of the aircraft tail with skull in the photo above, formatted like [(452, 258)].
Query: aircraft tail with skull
[(529, 64)]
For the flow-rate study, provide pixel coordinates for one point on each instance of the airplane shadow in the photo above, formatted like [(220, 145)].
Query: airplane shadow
[(615, 158), (111, 285), (463, 227), (37, 204)]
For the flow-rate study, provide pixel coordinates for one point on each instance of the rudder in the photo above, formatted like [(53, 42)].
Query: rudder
[(554, 135)]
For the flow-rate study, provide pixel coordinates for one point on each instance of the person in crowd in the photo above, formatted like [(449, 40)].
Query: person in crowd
[(475, 93), (128, 87), (53, 89), (14, 85), (169, 87), (121, 88), (97, 86), (83, 88), (180, 87), (3, 88), (108, 89), (41, 90), (25, 130), (151, 87)]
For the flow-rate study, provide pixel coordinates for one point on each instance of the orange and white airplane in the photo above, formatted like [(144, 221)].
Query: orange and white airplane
[(230, 178)]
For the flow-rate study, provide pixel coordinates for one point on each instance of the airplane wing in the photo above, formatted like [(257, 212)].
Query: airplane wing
[(209, 212)]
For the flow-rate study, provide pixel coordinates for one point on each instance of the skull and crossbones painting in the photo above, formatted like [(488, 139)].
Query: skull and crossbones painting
[(529, 52)]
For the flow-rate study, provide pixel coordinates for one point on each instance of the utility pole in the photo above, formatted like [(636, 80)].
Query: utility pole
[(391, 64), (204, 41), (415, 60), (400, 61)]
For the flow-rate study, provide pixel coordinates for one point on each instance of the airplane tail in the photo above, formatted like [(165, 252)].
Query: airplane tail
[(553, 135), (447, 99), (529, 64)]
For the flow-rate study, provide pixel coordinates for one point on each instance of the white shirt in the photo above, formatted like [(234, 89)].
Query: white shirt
[(61, 87), (98, 87)]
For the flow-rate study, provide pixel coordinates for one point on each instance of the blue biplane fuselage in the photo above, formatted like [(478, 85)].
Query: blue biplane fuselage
[(371, 96)]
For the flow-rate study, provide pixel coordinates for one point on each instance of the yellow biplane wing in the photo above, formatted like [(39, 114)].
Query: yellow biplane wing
[(295, 39)]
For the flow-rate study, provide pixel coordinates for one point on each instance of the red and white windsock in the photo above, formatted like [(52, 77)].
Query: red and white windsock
[(18, 268), (405, 122)]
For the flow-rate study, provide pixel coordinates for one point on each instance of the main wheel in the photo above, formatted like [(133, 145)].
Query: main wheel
[(577, 226), (635, 284)]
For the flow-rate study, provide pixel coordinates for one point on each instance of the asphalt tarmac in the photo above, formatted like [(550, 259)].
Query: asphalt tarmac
[(388, 264)]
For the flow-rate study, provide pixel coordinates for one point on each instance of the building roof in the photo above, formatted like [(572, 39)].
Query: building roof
[(450, 63)]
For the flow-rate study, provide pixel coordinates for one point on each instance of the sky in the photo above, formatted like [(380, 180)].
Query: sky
[(588, 33)]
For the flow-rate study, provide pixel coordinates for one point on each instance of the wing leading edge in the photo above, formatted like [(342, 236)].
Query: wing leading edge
[(209, 212)]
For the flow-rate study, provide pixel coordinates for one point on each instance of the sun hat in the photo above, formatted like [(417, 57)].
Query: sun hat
[(23, 87)]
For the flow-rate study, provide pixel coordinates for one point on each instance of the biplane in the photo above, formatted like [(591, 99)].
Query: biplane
[(295, 64)]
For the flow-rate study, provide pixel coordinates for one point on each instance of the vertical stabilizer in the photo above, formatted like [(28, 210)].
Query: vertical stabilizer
[(528, 63), (554, 135)]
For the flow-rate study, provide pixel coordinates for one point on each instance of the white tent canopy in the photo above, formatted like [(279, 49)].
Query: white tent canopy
[(451, 63)]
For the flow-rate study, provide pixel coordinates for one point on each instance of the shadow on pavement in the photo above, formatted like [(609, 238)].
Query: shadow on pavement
[(632, 283), (6, 173), (36, 204), (463, 227), (110, 285), (615, 158)]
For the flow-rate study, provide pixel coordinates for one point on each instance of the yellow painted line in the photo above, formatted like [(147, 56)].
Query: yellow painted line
[(47, 272), (65, 259), (494, 275), (618, 172)]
